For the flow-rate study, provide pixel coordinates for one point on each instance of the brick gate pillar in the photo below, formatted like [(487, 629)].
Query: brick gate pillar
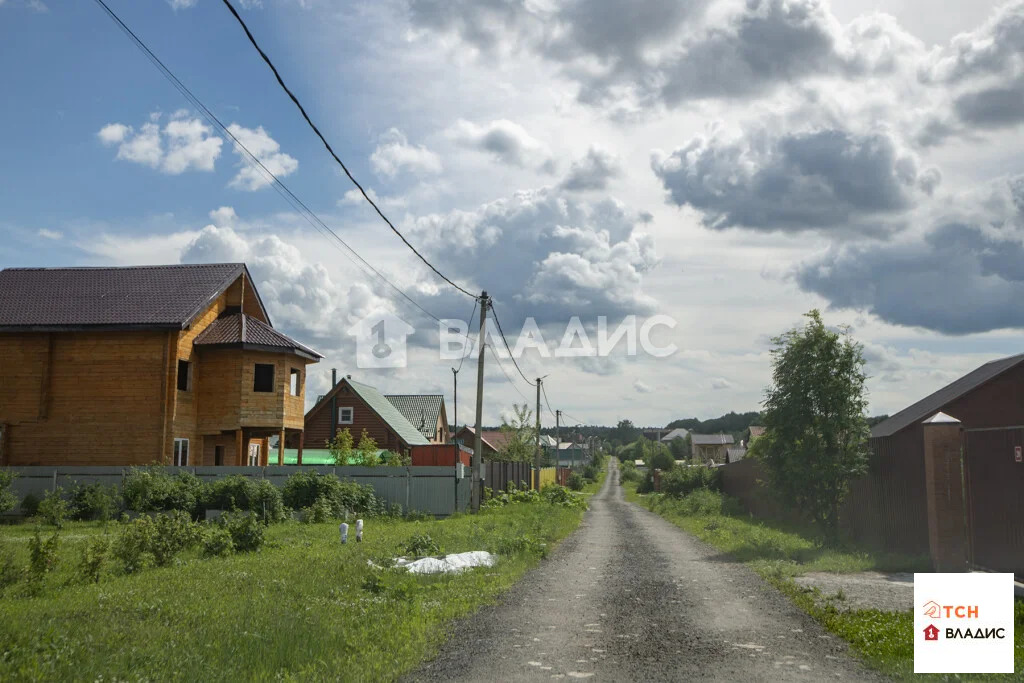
[(947, 533)]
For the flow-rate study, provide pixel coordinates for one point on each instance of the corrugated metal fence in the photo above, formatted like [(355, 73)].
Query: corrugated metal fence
[(433, 490), (886, 509)]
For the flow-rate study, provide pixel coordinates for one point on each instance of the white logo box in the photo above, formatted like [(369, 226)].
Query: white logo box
[(971, 618)]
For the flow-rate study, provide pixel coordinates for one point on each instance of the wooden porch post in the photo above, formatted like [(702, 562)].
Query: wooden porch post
[(280, 448), (239, 447), (302, 436)]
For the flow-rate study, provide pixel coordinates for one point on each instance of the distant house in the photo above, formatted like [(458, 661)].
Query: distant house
[(710, 446), (734, 454), (175, 364), (571, 454), (678, 433), (425, 412), (756, 431), (356, 406), (493, 441)]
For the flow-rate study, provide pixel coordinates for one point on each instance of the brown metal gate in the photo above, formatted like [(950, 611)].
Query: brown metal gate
[(994, 488)]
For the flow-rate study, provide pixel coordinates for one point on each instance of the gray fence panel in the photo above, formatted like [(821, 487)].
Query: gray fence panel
[(433, 495)]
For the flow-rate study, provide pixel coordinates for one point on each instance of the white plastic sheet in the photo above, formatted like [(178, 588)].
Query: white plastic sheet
[(449, 564)]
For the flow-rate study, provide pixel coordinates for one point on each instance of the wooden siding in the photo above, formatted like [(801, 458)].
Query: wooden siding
[(105, 401)]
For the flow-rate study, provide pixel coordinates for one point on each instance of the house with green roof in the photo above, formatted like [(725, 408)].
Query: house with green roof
[(425, 412), (356, 406)]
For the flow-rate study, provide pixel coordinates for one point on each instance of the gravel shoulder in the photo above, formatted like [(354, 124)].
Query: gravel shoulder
[(631, 597), (888, 592)]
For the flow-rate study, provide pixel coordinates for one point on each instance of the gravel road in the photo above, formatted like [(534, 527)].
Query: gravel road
[(630, 597)]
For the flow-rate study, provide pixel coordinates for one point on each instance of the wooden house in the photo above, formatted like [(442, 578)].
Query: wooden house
[(493, 441), (713, 447), (131, 366), (425, 412), (356, 406)]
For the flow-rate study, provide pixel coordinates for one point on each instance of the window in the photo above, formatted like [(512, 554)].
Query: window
[(218, 455), (254, 455), (296, 382), (345, 416), (263, 378), (184, 375), (181, 452)]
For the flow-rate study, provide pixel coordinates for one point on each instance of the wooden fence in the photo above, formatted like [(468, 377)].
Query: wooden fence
[(886, 509)]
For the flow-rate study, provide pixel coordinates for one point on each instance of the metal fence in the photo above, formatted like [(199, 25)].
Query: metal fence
[(437, 491), (994, 481), (886, 509)]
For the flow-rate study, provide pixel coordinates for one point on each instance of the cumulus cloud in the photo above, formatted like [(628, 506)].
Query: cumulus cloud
[(593, 171), (50, 234), (184, 143), (547, 253), (831, 180), (650, 51), (504, 140), (301, 296), (395, 155), (250, 177), (181, 4), (961, 276), (642, 387), (719, 383)]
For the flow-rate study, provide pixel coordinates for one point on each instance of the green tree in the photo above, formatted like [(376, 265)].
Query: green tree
[(680, 447), (624, 432), (7, 499), (341, 447), (816, 438), (521, 435), (367, 450)]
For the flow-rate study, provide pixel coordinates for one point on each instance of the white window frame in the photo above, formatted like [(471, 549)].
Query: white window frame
[(254, 455), (351, 415), (297, 373), (188, 373), (181, 452)]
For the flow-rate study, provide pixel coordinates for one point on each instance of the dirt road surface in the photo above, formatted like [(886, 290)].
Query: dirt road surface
[(630, 597)]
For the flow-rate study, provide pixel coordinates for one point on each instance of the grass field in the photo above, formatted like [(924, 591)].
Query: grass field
[(779, 552), (305, 607)]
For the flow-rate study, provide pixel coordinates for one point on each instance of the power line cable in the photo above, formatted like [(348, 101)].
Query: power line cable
[(463, 359), (545, 393), (510, 354), (316, 130), (507, 376), (300, 207)]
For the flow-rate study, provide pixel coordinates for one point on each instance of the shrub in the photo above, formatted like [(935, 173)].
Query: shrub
[(94, 502), (53, 508), (320, 511), (267, 502), (7, 499), (303, 489), (559, 495), (576, 481), (245, 530), (389, 459), (236, 492), (662, 460), (217, 542), (42, 559), (133, 548), (153, 490), (174, 532), (520, 543), (422, 545), (94, 557), (30, 505), (629, 472), (682, 481)]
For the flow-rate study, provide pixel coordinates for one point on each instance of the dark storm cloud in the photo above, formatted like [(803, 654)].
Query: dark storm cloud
[(961, 277), (829, 180), (593, 171)]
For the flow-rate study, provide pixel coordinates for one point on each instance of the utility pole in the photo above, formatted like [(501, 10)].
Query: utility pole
[(558, 438), (536, 450), (455, 434), (477, 442)]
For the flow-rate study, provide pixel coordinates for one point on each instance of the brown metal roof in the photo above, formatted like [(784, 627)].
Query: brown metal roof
[(140, 296), (711, 439), (933, 403), (239, 329)]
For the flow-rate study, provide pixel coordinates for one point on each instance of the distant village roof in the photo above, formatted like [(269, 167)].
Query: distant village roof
[(421, 410), (933, 403), (756, 431), (711, 439), (548, 441), (378, 404), (678, 433), (243, 330), (734, 454), (168, 297), (496, 440)]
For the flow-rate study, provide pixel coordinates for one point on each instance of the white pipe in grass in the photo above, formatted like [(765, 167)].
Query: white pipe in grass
[(343, 528), (359, 531)]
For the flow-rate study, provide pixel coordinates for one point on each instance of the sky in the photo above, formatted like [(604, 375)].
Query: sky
[(726, 165)]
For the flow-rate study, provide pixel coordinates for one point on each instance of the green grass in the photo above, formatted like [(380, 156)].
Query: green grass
[(296, 610), (590, 488), (884, 640)]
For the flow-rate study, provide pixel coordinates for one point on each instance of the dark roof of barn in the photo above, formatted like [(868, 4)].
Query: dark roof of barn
[(168, 297), (935, 402), (239, 329), (711, 439), (421, 410)]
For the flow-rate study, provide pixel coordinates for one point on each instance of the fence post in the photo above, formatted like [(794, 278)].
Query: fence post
[(947, 534), (408, 485)]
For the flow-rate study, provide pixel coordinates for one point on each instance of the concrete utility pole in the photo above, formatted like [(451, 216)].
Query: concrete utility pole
[(536, 449), (558, 438), (478, 453), (455, 380)]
